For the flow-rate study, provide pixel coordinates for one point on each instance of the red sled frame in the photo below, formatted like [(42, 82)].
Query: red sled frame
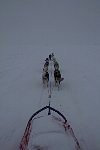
[(65, 124)]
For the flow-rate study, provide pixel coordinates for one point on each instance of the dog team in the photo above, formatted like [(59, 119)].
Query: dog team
[(57, 73)]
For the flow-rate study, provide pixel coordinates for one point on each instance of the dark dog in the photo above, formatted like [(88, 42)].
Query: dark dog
[(56, 65), (57, 76), (45, 78)]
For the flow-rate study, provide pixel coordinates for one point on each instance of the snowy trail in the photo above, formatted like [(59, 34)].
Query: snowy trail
[(22, 94)]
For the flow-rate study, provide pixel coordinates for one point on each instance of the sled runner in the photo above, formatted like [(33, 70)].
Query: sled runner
[(48, 130)]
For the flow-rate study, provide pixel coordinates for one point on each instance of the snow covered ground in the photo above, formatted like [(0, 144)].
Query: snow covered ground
[(29, 32)]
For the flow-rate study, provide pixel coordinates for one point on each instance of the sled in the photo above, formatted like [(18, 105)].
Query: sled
[(48, 130)]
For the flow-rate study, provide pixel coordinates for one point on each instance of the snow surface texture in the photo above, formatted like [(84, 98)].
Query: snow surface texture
[(29, 32), (43, 136)]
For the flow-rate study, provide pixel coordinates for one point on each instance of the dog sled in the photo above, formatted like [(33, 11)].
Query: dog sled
[(48, 129)]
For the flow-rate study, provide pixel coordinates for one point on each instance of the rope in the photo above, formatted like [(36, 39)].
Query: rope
[(50, 87)]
